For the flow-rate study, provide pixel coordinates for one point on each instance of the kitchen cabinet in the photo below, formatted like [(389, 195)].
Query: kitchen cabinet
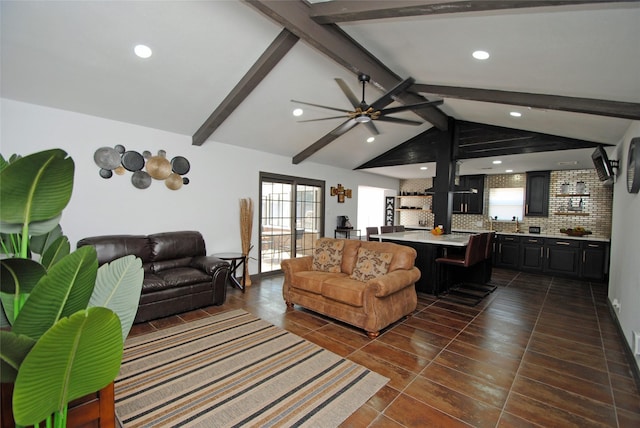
[(595, 260), (537, 194), (562, 256), (532, 254), (572, 258), (507, 251), (469, 203)]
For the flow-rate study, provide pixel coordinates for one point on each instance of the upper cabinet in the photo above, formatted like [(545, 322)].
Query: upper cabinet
[(472, 200), (537, 194)]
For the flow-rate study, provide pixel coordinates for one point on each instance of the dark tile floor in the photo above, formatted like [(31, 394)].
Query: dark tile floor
[(539, 351)]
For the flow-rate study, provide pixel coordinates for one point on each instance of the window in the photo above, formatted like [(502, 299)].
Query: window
[(506, 203)]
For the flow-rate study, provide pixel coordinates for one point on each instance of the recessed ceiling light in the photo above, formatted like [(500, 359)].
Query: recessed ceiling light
[(424, 168), (515, 114), (481, 55), (497, 162), (143, 51), (298, 112), (371, 139), (508, 170)]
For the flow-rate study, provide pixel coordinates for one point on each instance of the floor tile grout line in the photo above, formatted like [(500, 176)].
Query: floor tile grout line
[(606, 359)]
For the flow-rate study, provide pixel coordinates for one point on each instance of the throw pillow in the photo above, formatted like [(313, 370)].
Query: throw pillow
[(371, 264), (327, 256)]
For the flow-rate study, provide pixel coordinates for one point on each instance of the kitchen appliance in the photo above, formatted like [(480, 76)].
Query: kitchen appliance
[(534, 229)]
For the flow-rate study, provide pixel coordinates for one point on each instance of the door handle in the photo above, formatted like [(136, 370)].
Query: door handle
[(563, 243), (541, 252), (592, 245), (547, 252), (500, 248), (526, 209), (583, 256)]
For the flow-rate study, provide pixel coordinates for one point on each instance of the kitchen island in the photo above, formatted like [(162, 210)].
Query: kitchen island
[(429, 247)]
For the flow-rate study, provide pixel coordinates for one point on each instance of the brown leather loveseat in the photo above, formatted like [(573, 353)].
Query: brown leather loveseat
[(178, 275), (366, 284)]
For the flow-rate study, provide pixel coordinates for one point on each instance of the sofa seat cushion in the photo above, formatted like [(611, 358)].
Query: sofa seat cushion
[(311, 281), (180, 277), (344, 290), (152, 283)]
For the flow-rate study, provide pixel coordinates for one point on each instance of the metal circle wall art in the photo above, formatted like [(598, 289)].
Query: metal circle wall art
[(144, 166)]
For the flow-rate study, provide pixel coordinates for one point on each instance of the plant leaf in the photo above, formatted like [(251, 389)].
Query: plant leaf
[(40, 243), (35, 227), (118, 288), (77, 356), (55, 252), (65, 289), (36, 187), (13, 349), (17, 277)]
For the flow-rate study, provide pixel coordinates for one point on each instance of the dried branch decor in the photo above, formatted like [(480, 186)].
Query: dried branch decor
[(246, 227)]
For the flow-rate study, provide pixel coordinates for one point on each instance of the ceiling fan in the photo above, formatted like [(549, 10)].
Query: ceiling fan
[(363, 113)]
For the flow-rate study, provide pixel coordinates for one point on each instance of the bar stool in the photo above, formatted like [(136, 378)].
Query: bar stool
[(398, 228), (386, 229), (474, 254), (372, 231)]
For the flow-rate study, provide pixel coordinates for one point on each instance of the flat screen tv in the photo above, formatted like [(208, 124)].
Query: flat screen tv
[(602, 165)]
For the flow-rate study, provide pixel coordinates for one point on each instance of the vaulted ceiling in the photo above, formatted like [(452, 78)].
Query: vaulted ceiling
[(226, 71)]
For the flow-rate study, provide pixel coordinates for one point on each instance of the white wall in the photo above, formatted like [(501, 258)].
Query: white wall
[(624, 279), (220, 175)]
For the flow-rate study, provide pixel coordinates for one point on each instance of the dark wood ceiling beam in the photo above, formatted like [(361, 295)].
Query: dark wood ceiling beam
[(271, 56), (337, 45), (356, 10), (598, 107)]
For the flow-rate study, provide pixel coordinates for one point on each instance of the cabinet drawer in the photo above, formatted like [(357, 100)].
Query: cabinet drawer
[(563, 242), (507, 238), (533, 241), (594, 245)]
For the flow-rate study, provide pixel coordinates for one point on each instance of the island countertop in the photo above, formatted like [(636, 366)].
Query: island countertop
[(555, 235), (426, 237)]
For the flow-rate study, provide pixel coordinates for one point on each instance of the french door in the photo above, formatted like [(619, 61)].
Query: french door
[(291, 218)]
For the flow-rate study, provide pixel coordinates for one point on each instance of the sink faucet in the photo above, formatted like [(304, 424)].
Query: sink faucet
[(517, 226)]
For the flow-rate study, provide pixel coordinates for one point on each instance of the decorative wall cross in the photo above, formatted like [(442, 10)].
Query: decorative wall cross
[(341, 192)]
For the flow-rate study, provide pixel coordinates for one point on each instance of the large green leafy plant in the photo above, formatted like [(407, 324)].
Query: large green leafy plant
[(68, 318)]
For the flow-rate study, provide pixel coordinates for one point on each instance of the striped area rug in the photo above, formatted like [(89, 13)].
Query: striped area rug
[(233, 370)]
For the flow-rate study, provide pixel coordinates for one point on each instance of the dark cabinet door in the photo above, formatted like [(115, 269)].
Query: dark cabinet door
[(507, 252), (469, 203), (532, 254), (595, 260), (562, 257), (537, 194)]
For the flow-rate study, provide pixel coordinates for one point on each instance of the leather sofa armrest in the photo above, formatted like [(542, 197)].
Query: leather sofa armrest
[(391, 282), (298, 264), (209, 264)]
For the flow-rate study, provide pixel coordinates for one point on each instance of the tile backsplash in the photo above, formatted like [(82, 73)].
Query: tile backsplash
[(596, 206)]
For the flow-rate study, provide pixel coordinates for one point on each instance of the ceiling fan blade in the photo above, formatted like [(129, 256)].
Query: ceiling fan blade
[(410, 107), (324, 118), (321, 106), (349, 94), (372, 128), (398, 120), (387, 98), (324, 141)]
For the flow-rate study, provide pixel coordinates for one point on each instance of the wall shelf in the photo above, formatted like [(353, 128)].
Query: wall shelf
[(569, 195), (420, 210)]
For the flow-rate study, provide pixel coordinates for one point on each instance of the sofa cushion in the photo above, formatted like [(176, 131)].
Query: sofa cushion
[(176, 245), (152, 283), (371, 264), (327, 256), (311, 281), (344, 290), (111, 247), (171, 264), (183, 276)]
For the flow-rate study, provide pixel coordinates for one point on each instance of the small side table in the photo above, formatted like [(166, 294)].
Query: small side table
[(236, 260)]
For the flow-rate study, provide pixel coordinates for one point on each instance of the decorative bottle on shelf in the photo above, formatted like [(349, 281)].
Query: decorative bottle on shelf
[(564, 188), (581, 188)]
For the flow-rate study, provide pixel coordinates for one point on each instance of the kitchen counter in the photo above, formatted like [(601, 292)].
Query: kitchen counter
[(555, 235), (426, 237)]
